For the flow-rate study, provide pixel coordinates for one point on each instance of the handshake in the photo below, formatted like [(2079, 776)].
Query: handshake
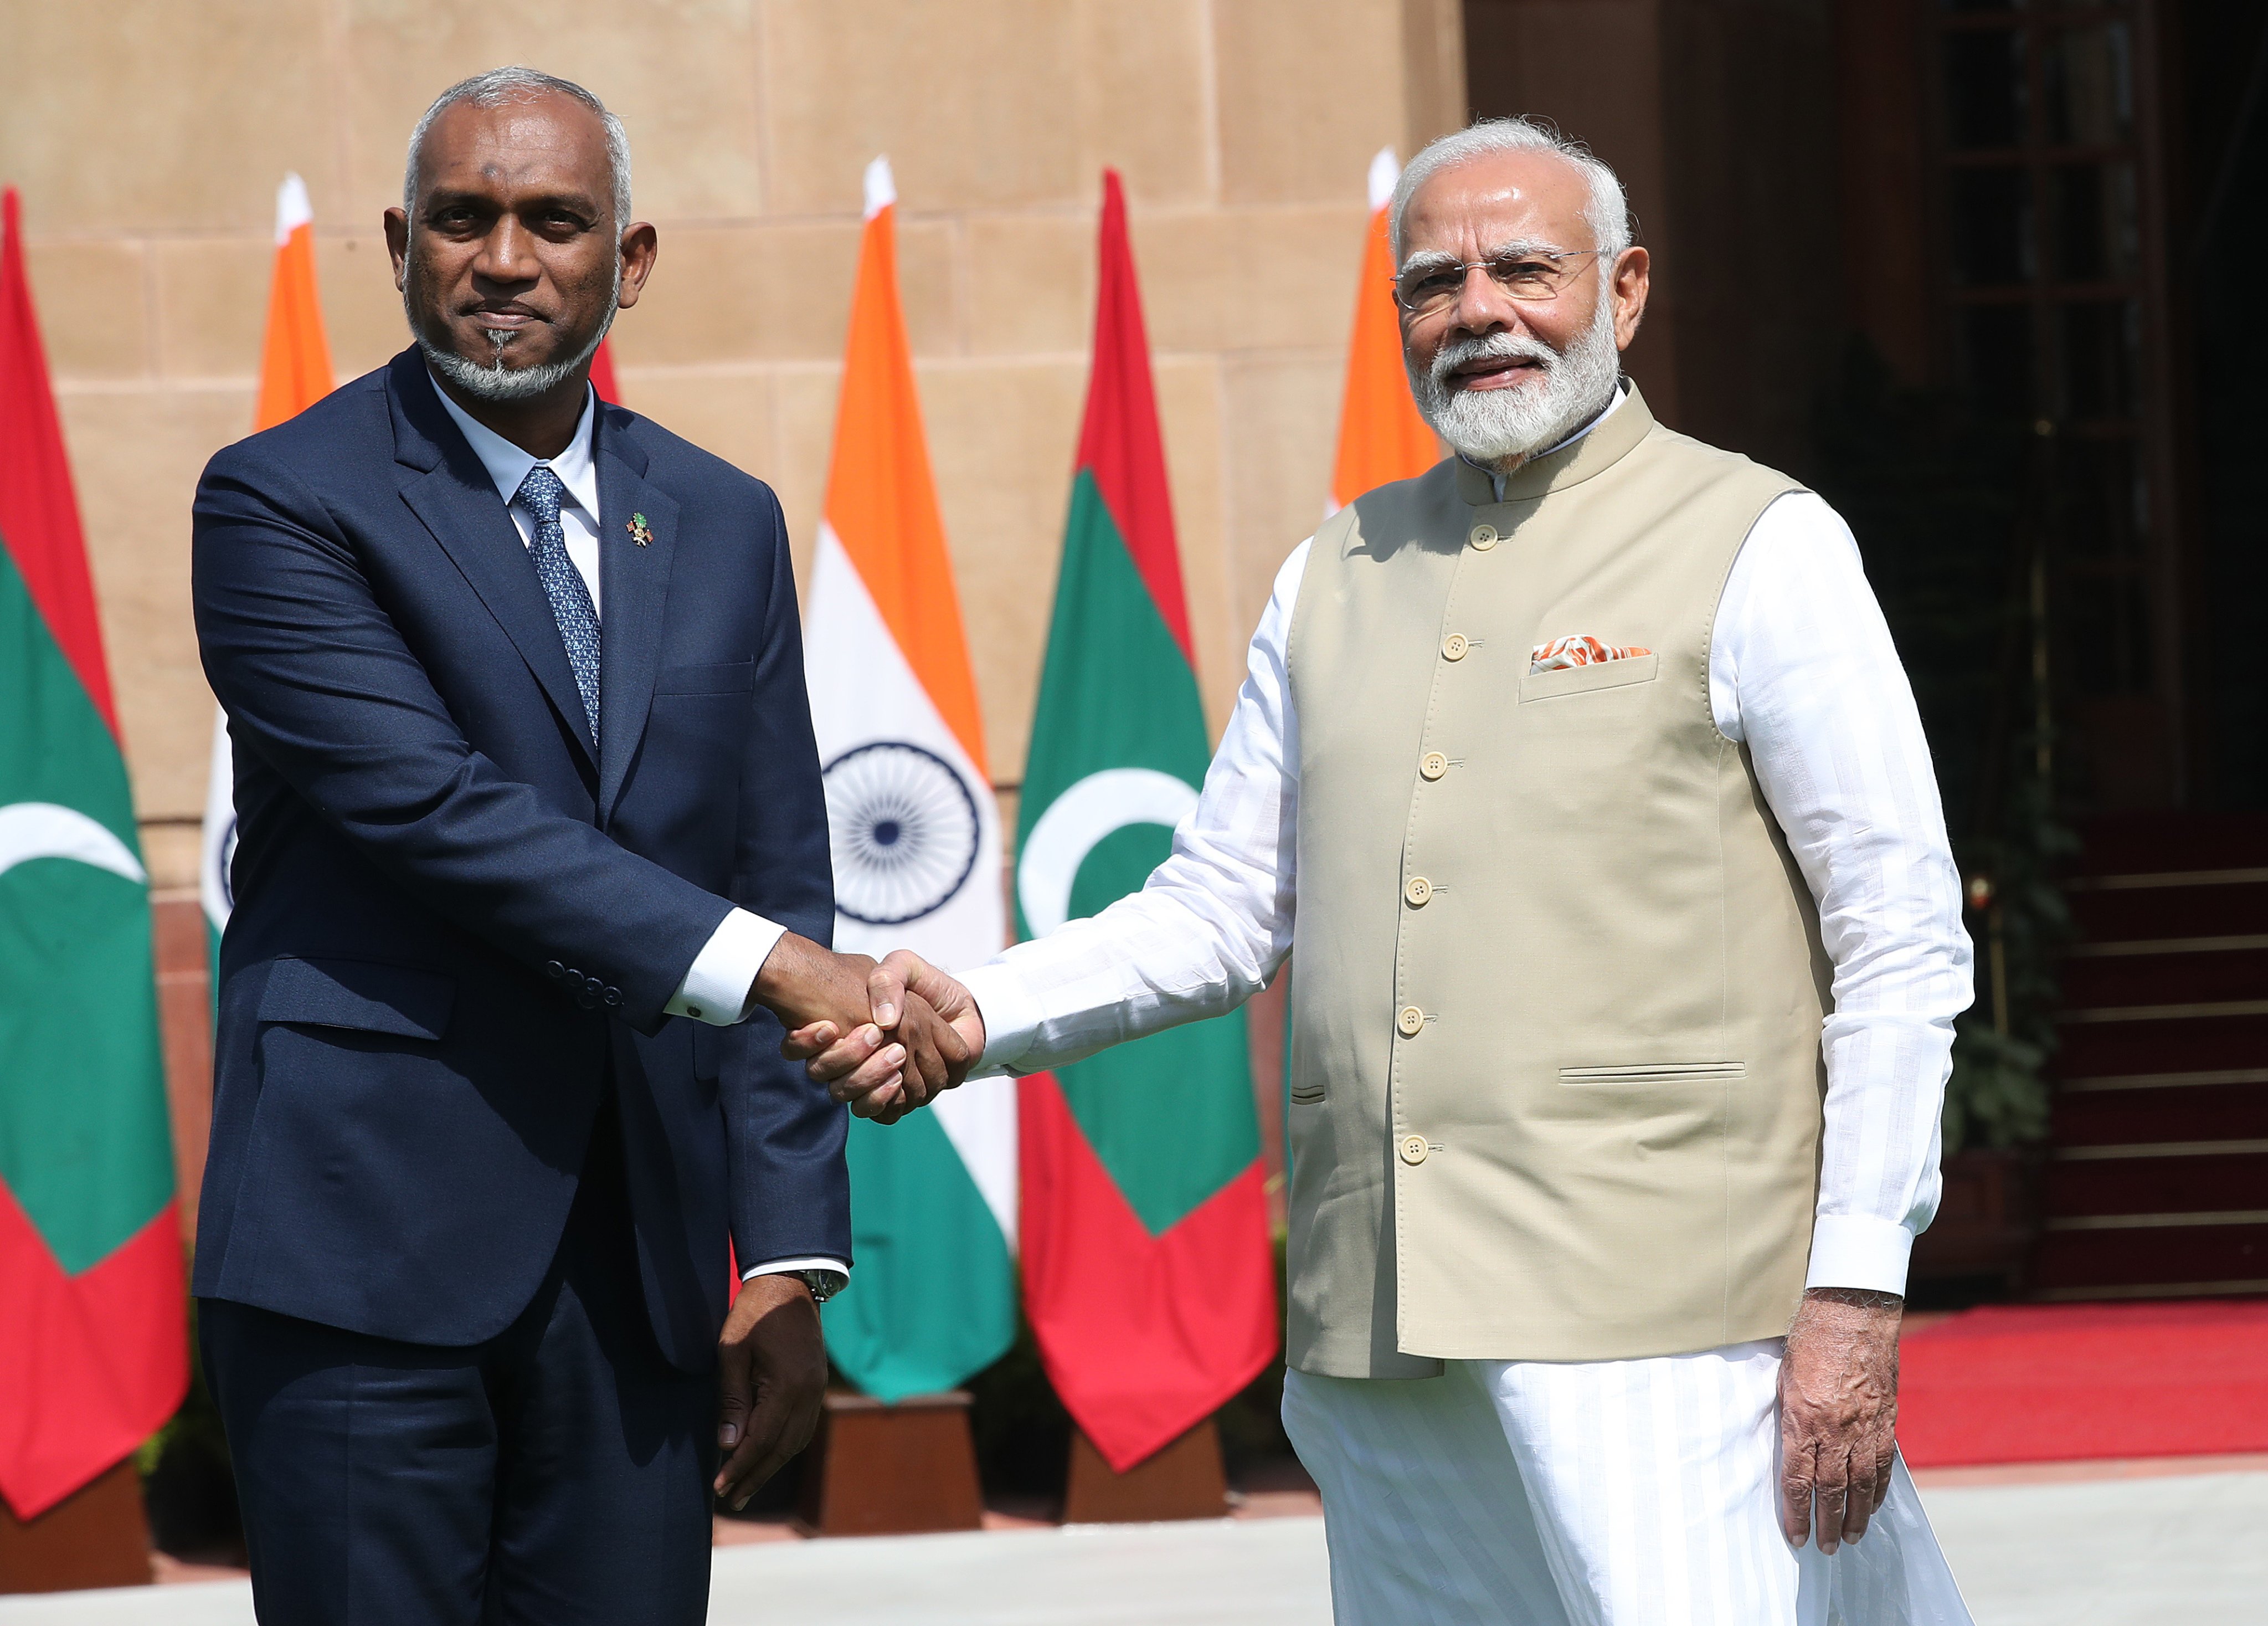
[(886, 1038)]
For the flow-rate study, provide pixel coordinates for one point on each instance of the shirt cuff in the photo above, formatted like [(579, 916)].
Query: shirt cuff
[(721, 988), (781, 1266), (1852, 1250), (1011, 1016)]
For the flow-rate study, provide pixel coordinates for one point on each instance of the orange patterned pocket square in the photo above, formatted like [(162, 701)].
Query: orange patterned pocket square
[(1580, 651)]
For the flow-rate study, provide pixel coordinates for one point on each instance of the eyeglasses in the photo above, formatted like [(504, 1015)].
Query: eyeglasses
[(1535, 276)]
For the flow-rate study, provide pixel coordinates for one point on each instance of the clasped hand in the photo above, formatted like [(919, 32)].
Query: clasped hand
[(884, 1074), (885, 1039)]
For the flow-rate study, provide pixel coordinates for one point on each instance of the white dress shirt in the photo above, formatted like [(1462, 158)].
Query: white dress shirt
[(720, 987), (1802, 670)]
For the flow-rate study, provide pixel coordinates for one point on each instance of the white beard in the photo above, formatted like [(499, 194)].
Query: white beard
[(498, 383), (1496, 427)]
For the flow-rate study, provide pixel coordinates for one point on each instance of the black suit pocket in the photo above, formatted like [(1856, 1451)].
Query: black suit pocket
[(367, 995), (714, 678)]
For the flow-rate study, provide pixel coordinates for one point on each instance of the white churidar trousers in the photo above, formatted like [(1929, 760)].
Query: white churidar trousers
[(1610, 1493)]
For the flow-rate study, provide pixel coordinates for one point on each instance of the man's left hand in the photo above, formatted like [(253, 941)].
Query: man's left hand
[(771, 1373), (1839, 1399)]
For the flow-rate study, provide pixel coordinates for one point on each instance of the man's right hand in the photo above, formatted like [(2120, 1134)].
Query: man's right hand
[(858, 1067), (907, 1041)]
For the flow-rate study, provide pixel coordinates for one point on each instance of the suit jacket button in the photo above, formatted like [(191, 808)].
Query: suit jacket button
[(1414, 1149), (587, 999), (573, 977), (612, 996), (553, 969), (1409, 1022)]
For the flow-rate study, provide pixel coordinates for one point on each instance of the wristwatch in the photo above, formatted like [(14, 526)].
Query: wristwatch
[(824, 1284)]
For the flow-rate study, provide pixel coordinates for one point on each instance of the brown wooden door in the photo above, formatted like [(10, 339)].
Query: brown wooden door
[(2046, 154)]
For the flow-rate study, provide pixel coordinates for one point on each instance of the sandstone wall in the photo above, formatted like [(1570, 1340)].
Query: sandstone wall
[(148, 137)]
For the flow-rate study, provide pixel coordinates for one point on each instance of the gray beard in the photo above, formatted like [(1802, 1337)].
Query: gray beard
[(1494, 427), (499, 383)]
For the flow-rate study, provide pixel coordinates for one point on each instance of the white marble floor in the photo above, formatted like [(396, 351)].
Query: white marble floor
[(2177, 1550)]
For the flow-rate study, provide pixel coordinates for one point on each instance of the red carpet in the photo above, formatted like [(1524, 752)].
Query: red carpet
[(2047, 1383)]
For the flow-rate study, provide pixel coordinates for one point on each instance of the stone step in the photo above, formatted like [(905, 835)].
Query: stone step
[(2167, 1177), (2162, 1039), (2134, 1253), (2104, 1111), (2166, 970)]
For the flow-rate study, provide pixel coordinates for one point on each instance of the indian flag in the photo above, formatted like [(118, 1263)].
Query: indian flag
[(917, 848), (1381, 438), (295, 372)]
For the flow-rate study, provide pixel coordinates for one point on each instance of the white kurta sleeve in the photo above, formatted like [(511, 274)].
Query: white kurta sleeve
[(1803, 669), (1211, 924)]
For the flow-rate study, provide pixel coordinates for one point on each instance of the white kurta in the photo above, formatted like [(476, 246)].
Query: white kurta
[(1623, 1493), (1601, 1493), (1802, 668)]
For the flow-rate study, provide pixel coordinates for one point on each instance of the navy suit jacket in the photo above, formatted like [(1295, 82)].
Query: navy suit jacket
[(454, 919)]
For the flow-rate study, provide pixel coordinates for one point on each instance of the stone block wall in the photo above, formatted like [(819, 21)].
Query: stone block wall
[(148, 137)]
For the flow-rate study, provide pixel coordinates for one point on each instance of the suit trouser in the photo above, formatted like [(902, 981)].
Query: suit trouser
[(556, 1474), (1612, 1493)]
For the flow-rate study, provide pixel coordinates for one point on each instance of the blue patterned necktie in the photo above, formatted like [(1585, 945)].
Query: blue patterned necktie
[(564, 586)]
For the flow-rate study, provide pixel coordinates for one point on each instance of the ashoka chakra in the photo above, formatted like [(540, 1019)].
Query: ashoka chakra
[(903, 829)]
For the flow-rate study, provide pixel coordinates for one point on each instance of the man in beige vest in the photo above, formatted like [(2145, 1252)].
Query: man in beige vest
[(1629, 946)]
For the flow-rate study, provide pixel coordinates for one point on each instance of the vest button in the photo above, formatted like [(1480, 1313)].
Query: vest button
[(1433, 764), (1409, 1021), (1453, 646), (1419, 892), (1414, 1149), (1484, 537)]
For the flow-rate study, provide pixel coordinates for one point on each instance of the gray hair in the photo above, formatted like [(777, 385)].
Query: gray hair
[(500, 86), (1608, 214)]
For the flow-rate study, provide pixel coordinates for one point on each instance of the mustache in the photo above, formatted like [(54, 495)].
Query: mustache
[(1491, 347)]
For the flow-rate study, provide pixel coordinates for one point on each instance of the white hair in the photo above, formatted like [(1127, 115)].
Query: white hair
[(1608, 213), (500, 86)]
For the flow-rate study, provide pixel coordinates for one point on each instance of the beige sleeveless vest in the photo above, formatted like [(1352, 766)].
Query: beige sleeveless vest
[(1556, 1074)]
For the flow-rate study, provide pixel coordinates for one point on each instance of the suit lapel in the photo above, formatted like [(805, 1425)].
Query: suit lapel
[(450, 493), (638, 540)]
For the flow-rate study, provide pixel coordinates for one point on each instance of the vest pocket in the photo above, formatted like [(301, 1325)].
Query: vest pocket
[(1656, 1073), (1583, 679)]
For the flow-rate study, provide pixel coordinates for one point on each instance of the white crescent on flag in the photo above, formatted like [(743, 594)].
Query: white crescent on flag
[(1076, 822), (30, 830)]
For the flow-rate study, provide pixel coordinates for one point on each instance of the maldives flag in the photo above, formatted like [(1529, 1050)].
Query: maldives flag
[(1381, 438), (1147, 1270), (93, 1320), (295, 372), (916, 840)]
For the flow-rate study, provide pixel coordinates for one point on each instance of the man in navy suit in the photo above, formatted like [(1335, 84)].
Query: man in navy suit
[(532, 863)]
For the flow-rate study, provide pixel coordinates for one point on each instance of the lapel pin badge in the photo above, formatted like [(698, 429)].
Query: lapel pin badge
[(639, 532)]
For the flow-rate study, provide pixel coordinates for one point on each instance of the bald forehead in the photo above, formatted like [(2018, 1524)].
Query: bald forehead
[(548, 141), (1493, 198)]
